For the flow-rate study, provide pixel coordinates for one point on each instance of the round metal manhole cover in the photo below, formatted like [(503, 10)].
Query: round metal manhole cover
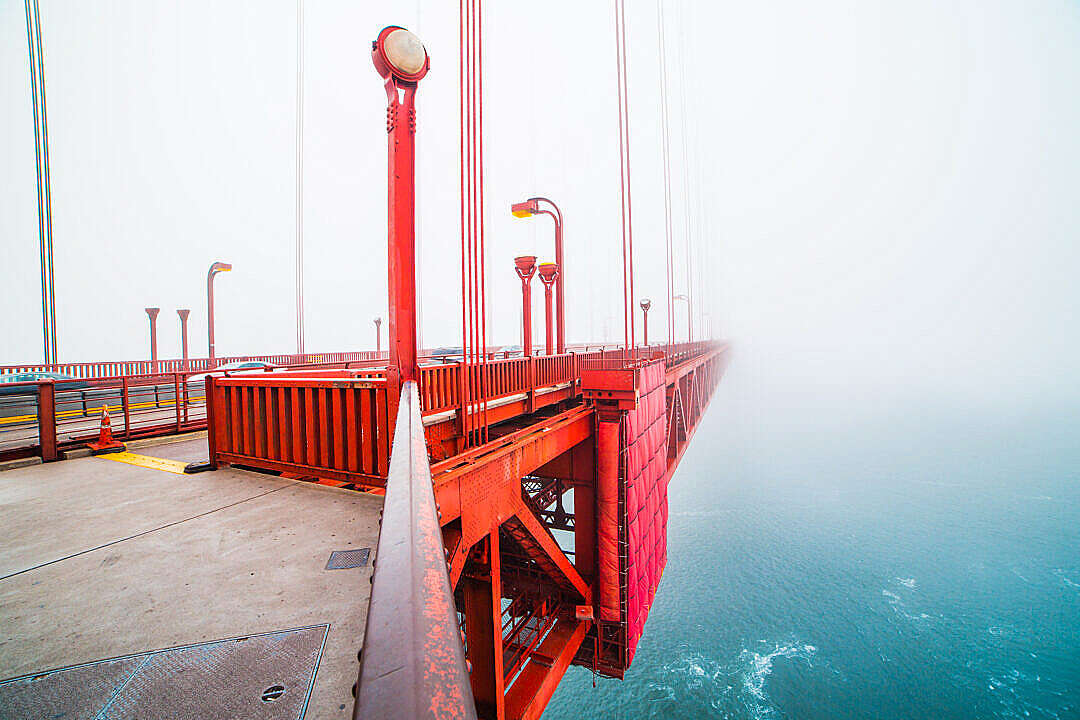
[(272, 693)]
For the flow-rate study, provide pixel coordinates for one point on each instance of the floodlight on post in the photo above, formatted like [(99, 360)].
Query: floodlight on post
[(402, 61), (532, 207), (646, 303), (525, 267), (217, 267), (183, 313), (152, 313), (378, 335), (549, 274)]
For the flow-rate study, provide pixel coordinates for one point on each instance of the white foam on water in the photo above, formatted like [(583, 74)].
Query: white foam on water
[(907, 582), (758, 668), (893, 597), (1061, 576)]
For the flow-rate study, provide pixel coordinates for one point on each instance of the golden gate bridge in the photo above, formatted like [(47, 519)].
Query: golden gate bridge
[(516, 500)]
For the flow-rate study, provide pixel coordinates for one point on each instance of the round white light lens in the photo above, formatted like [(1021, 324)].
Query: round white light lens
[(405, 51)]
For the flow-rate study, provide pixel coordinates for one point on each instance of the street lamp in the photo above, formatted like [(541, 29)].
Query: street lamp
[(525, 267), (532, 207), (402, 61), (152, 313), (689, 317), (645, 305), (549, 274), (378, 336), (216, 268), (183, 334)]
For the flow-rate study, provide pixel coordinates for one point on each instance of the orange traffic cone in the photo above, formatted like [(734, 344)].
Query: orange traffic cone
[(105, 442)]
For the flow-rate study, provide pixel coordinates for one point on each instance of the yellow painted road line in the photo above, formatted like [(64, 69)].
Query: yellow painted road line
[(146, 461), (92, 412)]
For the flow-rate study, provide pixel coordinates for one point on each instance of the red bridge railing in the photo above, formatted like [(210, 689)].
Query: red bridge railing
[(332, 427), (413, 660)]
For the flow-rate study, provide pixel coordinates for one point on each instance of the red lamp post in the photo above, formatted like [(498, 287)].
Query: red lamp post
[(401, 60), (525, 267), (183, 335), (532, 207), (216, 268), (152, 313), (378, 335), (549, 274), (645, 305)]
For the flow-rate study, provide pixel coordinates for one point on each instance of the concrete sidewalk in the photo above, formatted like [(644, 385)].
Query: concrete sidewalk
[(101, 559)]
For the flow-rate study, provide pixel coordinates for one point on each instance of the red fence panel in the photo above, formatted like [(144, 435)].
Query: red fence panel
[(327, 427)]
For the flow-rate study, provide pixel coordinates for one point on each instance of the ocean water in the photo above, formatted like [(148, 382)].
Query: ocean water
[(917, 559)]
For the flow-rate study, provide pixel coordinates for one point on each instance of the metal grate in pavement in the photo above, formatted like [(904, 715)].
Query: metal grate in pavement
[(348, 559)]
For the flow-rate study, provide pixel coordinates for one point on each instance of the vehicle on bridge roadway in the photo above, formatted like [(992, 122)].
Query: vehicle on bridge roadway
[(238, 365), (8, 386)]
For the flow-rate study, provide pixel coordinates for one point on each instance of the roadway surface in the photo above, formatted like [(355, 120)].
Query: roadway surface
[(176, 594)]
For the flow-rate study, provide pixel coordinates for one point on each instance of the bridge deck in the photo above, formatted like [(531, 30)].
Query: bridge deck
[(102, 559)]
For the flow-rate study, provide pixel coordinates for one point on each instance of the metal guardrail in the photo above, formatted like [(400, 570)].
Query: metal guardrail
[(413, 661), (116, 368)]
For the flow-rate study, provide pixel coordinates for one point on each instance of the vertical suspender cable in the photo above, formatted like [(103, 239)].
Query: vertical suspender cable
[(48, 184), (300, 177), (622, 156), (666, 145), (624, 179), (463, 385), (629, 189), (480, 164), (40, 187), (686, 184), (473, 286), (44, 188)]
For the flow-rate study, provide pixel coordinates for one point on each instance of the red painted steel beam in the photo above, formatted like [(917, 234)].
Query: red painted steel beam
[(412, 664), (475, 479), (533, 688)]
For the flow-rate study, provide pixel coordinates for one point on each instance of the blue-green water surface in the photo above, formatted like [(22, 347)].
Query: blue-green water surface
[(920, 561)]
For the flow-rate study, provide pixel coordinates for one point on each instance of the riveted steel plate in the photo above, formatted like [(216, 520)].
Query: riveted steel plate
[(348, 559), (267, 676)]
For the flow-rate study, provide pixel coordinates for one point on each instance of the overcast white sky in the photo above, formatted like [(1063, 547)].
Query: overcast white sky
[(888, 190)]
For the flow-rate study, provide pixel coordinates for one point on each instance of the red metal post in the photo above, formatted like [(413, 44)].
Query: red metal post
[(47, 420), (152, 313), (525, 267), (378, 335), (549, 275), (183, 336), (400, 58), (214, 270), (645, 305)]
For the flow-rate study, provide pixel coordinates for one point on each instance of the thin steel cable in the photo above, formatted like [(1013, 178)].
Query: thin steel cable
[(480, 162), (629, 299), (622, 160), (666, 146), (40, 186), (463, 384), (48, 184), (300, 177), (686, 182)]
